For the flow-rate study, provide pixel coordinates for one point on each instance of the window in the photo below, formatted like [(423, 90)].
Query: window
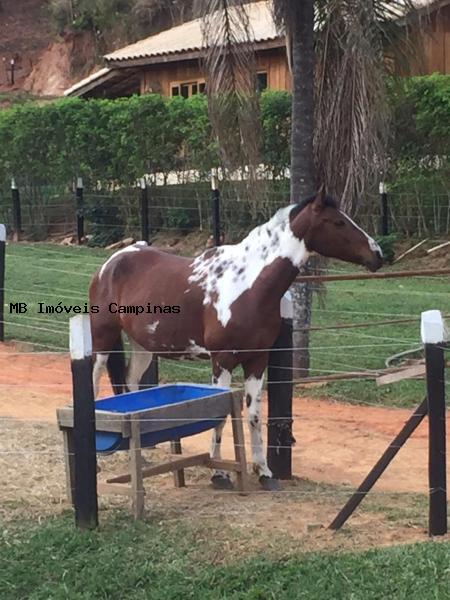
[(261, 82), (188, 88)]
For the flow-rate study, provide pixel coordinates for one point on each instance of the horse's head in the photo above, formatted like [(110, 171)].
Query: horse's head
[(328, 231)]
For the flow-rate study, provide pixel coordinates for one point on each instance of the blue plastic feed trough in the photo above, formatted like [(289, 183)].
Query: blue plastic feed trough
[(156, 397)]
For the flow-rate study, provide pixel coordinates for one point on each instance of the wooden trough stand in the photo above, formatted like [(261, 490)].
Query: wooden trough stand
[(136, 420)]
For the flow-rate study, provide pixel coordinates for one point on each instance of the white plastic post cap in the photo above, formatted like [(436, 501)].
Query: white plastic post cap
[(13, 184), (382, 187), (80, 183), (286, 307), (213, 179), (433, 328), (142, 183), (80, 337), (2, 233)]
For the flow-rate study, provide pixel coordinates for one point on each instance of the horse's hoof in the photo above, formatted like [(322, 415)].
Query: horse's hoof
[(222, 482), (269, 484)]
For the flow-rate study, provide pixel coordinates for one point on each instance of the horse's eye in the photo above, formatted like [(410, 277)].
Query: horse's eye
[(340, 223)]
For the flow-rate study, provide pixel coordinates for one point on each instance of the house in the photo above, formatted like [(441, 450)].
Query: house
[(435, 25), (169, 63)]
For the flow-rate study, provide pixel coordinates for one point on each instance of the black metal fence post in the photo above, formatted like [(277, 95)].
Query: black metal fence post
[(80, 210), (384, 209), (143, 206), (85, 459), (215, 210), (17, 211), (279, 391), (433, 335), (2, 281)]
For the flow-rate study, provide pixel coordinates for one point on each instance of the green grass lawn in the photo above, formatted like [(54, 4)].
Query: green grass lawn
[(50, 274), (146, 560)]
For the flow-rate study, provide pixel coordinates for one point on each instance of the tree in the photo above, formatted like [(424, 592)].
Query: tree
[(339, 116), (297, 18)]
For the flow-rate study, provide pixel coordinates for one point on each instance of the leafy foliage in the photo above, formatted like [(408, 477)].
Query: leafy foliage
[(121, 140), (421, 117), (387, 245), (420, 141), (276, 123), (105, 140), (134, 17), (106, 222)]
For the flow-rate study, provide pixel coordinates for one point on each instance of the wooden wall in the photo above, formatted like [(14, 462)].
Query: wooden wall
[(436, 44), (158, 78), (274, 62)]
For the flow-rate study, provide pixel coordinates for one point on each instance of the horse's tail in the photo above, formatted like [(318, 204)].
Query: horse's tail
[(117, 368)]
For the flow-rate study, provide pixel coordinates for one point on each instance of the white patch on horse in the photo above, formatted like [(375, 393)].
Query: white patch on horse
[(152, 328), (195, 349), (140, 360), (228, 272), (372, 243), (224, 380), (134, 248), (99, 367), (253, 389)]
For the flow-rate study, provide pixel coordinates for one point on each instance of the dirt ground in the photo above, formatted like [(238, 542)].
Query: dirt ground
[(336, 446)]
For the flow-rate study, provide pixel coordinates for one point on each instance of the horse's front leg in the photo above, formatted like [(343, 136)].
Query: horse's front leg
[(220, 479), (254, 379)]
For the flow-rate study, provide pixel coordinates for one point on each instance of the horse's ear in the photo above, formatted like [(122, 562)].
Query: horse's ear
[(319, 200)]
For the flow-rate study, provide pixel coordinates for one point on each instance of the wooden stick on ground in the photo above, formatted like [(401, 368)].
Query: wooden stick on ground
[(415, 247), (444, 245)]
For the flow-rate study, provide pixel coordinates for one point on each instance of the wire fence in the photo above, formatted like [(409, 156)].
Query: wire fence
[(351, 337), (109, 215), (343, 352)]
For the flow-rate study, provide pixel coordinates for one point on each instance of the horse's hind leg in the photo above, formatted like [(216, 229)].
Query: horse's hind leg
[(139, 363), (220, 479)]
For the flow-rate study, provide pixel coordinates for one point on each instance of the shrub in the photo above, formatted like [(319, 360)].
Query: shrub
[(107, 225), (387, 245), (118, 141)]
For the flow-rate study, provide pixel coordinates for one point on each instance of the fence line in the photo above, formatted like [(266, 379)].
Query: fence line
[(186, 207)]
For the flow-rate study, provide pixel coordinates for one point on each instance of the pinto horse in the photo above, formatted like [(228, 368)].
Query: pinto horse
[(229, 299)]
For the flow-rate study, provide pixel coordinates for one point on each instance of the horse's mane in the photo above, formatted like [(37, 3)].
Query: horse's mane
[(328, 201), (287, 213)]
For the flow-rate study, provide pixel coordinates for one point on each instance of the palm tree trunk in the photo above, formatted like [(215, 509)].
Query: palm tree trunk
[(303, 178)]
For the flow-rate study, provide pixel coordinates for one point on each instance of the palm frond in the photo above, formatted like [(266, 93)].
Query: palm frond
[(352, 115), (230, 69)]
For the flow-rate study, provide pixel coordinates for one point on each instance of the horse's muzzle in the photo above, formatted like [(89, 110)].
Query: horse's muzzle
[(375, 263)]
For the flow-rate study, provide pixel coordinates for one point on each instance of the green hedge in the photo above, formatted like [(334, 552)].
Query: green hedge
[(120, 140), (421, 134)]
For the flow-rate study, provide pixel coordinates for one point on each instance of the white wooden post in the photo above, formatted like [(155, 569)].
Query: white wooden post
[(85, 459)]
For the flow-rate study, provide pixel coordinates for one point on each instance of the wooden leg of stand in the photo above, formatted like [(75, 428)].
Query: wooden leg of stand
[(137, 484), (239, 443), (178, 476)]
